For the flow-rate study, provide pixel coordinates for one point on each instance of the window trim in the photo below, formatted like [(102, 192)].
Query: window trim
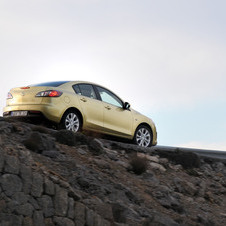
[(78, 84), (99, 97)]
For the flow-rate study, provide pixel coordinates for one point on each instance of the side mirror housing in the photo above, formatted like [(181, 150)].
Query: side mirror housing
[(126, 106)]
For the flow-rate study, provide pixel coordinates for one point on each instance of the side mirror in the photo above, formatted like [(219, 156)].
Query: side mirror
[(126, 106)]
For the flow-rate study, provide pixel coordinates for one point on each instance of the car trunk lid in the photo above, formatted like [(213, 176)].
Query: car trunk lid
[(26, 95)]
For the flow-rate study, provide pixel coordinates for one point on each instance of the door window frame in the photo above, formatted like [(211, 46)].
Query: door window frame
[(111, 94), (98, 97), (80, 93)]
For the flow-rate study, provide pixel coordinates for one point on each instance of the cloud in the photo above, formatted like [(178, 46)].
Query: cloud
[(221, 146), (167, 68), (147, 61)]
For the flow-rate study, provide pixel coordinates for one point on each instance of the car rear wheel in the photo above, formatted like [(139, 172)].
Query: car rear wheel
[(143, 136), (71, 121)]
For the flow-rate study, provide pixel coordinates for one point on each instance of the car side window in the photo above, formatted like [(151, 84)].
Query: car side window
[(109, 97), (85, 90), (77, 90)]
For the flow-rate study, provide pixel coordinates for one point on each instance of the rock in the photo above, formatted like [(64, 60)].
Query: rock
[(151, 178), (26, 176), (39, 143), (65, 137), (5, 127), (62, 221), (80, 214), (149, 157), (184, 187), (72, 188), (49, 187), (70, 138), (20, 198), (27, 221), (49, 222), (71, 211), (83, 182), (209, 196), (2, 159), (160, 219), (157, 166), (82, 150), (125, 165), (89, 217), (99, 221), (96, 147), (218, 166), (10, 219), (46, 204), (11, 164), (37, 185), (207, 169), (61, 201), (34, 203), (167, 199), (186, 159), (119, 211), (51, 154), (21, 128), (204, 220), (163, 161), (177, 167), (25, 156), (202, 188), (25, 210), (10, 184), (38, 218), (102, 164), (101, 208), (75, 195), (200, 200), (2, 206)]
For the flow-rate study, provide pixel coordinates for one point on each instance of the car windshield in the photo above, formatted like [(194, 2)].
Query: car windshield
[(52, 84)]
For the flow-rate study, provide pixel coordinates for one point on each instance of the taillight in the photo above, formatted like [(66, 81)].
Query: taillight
[(27, 87), (9, 96), (49, 93)]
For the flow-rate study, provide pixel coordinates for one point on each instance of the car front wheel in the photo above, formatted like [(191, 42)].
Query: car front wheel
[(143, 136), (71, 121)]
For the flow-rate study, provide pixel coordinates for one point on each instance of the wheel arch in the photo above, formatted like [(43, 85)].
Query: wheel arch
[(76, 110), (147, 125)]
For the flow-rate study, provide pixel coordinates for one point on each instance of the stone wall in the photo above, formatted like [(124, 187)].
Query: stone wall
[(30, 195), (50, 177)]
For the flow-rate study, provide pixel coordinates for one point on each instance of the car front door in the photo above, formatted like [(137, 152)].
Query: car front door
[(117, 120), (92, 108)]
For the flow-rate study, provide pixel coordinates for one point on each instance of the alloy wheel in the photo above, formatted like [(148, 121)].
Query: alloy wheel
[(72, 122), (143, 137)]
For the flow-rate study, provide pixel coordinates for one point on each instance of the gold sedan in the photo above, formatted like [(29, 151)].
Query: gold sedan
[(81, 106)]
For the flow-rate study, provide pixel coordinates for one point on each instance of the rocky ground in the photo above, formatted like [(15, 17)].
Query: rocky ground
[(50, 177)]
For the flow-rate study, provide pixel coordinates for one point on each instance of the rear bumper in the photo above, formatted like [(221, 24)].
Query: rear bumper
[(45, 111), (33, 117), (30, 114)]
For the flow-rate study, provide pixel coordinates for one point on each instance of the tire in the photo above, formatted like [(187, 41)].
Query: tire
[(71, 121), (143, 136)]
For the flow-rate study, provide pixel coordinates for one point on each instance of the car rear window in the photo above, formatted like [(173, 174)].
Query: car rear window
[(52, 84)]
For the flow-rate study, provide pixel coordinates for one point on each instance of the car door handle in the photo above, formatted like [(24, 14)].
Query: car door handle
[(107, 107), (83, 99)]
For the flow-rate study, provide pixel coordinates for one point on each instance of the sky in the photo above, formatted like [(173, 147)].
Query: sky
[(165, 57)]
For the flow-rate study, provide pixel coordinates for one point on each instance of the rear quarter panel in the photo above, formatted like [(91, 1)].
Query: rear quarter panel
[(69, 99)]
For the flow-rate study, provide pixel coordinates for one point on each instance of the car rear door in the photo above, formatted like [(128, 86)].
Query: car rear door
[(92, 108)]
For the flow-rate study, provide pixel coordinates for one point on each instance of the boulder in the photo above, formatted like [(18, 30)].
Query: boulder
[(39, 143)]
